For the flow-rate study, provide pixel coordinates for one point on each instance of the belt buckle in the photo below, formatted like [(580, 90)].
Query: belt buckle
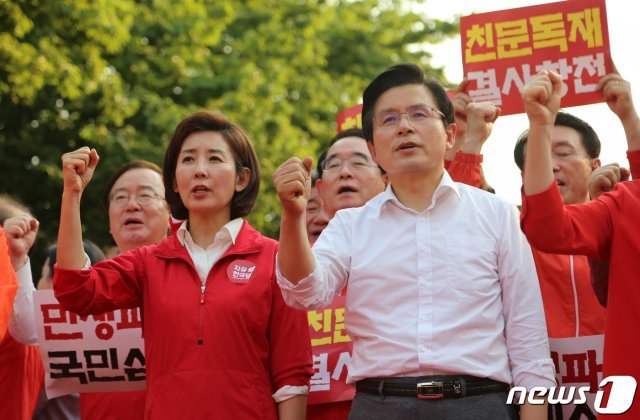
[(430, 390)]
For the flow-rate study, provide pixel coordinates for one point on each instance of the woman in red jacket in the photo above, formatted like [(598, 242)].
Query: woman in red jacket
[(219, 340)]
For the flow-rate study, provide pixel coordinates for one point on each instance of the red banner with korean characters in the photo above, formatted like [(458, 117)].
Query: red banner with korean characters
[(349, 118), (578, 363), (331, 348), (502, 50), (89, 354)]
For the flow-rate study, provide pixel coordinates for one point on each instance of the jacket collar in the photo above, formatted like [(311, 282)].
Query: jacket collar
[(248, 241)]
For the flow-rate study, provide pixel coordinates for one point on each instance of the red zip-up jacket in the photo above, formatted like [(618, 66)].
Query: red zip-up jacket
[(571, 307), (220, 353), (608, 229)]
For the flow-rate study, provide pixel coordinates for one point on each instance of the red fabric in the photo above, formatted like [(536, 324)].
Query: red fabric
[(556, 285), (633, 156), (465, 168), (112, 405), (8, 285), (608, 229), (251, 342), (332, 411), (21, 378)]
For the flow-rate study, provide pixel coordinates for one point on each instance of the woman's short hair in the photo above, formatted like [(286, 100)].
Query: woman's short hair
[(241, 147)]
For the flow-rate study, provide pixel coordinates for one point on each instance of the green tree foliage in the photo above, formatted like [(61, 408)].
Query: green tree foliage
[(118, 75)]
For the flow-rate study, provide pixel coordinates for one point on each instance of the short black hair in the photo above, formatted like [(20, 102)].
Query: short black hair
[(129, 166), (588, 136), (351, 132), (396, 76)]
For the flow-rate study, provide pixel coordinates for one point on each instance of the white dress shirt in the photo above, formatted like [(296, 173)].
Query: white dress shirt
[(451, 290), (22, 324), (204, 259)]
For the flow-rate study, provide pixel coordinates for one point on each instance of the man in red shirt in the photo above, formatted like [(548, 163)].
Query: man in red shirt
[(605, 228)]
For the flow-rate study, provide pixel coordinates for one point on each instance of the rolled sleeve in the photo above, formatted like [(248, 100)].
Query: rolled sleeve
[(525, 326), (288, 391), (307, 294)]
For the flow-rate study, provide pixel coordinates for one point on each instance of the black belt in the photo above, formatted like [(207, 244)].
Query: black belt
[(431, 387)]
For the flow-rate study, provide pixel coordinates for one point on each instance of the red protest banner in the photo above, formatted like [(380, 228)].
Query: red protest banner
[(331, 348), (349, 118), (502, 50)]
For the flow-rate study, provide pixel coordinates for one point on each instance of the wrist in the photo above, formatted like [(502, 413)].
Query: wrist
[(18, 262)]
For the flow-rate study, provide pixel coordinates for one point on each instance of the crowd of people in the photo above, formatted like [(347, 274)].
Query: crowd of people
[(451, 294)]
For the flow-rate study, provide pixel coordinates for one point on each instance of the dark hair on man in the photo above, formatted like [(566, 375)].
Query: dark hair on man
[(314, 177), (351, 132), (129, 166), (588, 136), (92, 250), (401, 75), (10, 207), (241, 147)]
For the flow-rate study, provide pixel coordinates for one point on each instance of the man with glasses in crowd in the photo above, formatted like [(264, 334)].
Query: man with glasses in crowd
[(444, 308)]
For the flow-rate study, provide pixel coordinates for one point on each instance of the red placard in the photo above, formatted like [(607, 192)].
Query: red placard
[(331, 347), (502, 50), (349, 118)]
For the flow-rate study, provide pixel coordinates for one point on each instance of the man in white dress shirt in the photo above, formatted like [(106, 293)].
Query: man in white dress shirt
[(444, 307)]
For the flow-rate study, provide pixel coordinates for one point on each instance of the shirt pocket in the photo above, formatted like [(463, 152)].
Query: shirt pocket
[(472, 263)]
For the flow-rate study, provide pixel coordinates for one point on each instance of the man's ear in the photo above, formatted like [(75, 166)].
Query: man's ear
[(242, 179), (372, 151), (451, 135), (595, 163), (319, 186)]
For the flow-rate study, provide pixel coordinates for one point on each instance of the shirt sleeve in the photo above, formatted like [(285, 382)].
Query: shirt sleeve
[(290, 348), (525, 326), (332, 261), (111, 284), (465, 168), (583, 229), (22, 323), (634, 163)]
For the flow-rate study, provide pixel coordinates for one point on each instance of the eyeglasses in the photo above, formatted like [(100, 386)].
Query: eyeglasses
[(416, 114), (144, 198), (357, 163)]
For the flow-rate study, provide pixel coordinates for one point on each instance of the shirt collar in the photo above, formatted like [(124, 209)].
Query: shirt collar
[(230, 229), (446, 184)]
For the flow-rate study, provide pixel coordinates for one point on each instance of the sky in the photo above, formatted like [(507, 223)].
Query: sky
[(500, 170)]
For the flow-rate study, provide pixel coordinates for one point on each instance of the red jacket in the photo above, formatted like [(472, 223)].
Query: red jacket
[(217, 354), (112, 405), (608, 229), (570, 304), (21, 378)]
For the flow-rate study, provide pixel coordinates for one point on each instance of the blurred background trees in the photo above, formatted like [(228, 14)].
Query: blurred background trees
[(118, 75)]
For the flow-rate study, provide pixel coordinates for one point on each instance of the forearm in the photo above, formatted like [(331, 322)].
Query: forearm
[(538, 174), (22, 324), (295, 260), (71, 254), (631, 127), (533, 412), (294, 408)]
